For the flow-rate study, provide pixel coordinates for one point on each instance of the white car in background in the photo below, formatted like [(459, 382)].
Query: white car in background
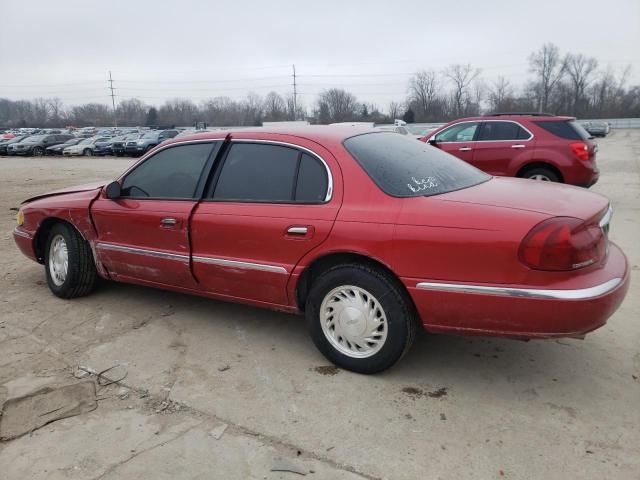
[(85, 147)]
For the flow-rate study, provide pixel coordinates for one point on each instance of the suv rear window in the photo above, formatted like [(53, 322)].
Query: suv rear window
[(570, 129), (403, 167)]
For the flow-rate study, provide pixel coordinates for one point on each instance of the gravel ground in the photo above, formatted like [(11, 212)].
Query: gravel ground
[(453, 408)]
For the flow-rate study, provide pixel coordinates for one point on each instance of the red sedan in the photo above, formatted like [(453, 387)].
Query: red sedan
[(369, 234)]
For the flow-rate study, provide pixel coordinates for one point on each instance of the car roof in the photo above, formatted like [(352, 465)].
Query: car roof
[(319, 133), (516, 117)]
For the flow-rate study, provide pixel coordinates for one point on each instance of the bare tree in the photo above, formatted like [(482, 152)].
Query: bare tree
[(423, 90), (395, 110), (549, 69), (275, 108), (339, 105), (131, 112), (253, 110), (500, 95), (580, 70), (56, 111), (461, 76)]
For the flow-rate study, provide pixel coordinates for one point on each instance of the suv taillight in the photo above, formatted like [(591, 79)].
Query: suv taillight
[(580, 150), (563, 243)]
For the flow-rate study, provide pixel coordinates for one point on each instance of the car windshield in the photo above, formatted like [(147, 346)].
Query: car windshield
[(403, 167), (150, 135), (86, 141), (35, 138)]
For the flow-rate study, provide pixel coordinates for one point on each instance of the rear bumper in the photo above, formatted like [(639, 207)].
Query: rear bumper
[(516, 311), (582, 174)]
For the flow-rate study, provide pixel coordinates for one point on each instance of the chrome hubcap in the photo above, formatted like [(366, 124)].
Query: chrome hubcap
[(540, 177), (353, 321), (58, 260)]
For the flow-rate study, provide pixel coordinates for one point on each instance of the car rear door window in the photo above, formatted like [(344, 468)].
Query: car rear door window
[(263, 173), (312, 181), (171, 173), (254, 172), (497, 131), (461, 132)]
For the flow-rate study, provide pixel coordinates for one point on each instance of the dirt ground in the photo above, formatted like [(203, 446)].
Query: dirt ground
[(452, 408)]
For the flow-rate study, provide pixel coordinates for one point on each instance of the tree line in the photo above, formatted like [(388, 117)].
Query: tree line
[(564, 84)]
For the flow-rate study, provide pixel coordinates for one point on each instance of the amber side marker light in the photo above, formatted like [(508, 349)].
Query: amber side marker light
[(20, 217)]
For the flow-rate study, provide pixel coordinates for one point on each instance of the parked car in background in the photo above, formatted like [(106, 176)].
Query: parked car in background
[(148, 141), (4, 145), (105, 147), (402, 130), (36, 144), (85, 147), (334, 224), (596, 128), (530, 145), (57, 149), (419, 131), (118, 147)]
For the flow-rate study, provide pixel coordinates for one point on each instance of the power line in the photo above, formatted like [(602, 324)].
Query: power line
[(231, 80)]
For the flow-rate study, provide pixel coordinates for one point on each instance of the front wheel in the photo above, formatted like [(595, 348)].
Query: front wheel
[(38, 152), (87, 152), (68, 263), (359, 318)]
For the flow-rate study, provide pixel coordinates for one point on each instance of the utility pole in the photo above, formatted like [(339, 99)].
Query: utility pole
[(113, 101), (295, 94)]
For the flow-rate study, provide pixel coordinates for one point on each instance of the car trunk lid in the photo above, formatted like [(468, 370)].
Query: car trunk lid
[(533, 196)]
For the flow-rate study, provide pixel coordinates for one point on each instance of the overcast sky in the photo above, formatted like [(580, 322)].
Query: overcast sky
[(201, 49)]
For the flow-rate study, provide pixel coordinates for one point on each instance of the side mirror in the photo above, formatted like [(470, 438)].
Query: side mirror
[(113, 191), (433, 141)]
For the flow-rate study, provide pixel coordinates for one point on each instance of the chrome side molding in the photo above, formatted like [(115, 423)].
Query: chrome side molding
[(579, 294), (238, 264)]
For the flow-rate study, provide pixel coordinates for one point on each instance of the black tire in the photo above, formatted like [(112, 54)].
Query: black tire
[(397, 306), (87, 152), (38, 152), (537, 172), (81, 277)]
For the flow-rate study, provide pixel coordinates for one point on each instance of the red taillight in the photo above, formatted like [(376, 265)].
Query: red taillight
[(580, 150), (563, 243)]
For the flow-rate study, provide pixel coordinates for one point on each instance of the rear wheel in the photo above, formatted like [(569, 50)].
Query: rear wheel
[(542, 174), (359, 318), (68, 263)]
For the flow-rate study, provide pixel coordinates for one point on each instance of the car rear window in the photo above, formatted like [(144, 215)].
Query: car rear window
[(569, 129), (404, 167)]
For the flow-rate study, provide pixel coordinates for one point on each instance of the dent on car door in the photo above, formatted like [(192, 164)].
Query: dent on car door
[(143, 235), (458, 140), (268, 206)]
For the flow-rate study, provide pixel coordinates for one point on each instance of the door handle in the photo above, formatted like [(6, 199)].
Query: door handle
[(297, 230), (517, 146), (168, 222), (464, 149)]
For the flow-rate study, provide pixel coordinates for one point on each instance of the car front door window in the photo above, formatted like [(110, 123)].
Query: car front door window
[(171, 173), (462, 132)]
